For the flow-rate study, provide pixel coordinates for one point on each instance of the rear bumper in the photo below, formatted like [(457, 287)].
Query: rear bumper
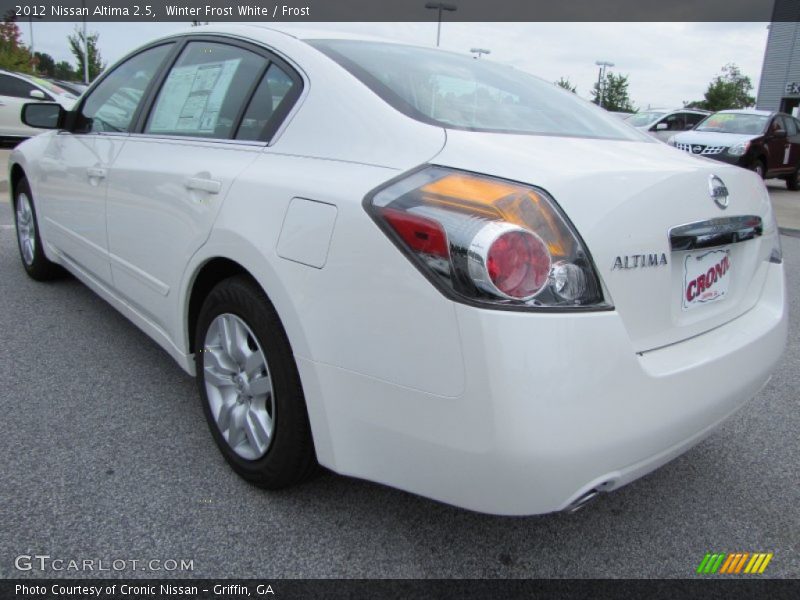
[(554, 405)]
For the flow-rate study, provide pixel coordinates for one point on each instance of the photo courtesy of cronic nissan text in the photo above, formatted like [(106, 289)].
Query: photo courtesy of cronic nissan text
[(410, 299)]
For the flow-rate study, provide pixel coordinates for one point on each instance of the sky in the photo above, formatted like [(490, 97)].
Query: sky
[(667, 63)]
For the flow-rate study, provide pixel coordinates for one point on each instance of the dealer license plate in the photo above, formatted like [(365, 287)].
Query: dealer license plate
[(706, 277)]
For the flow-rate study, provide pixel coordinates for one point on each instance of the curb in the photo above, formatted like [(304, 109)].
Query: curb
[(783, 230)]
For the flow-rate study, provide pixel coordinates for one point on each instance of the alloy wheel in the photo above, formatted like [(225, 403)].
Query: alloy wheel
[(239, 386), (26, 228)]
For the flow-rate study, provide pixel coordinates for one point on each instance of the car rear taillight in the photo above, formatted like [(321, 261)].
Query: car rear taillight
[(488, 241)]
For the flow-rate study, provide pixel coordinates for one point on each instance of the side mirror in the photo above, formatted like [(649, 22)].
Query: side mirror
[(43, 115), (38, 95), (779, 134), (662, 126)]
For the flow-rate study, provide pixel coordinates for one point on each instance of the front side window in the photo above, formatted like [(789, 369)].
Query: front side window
[(789, 125), (112, 105), (693, 119), (455, 91), (645, 118), (205, 91)]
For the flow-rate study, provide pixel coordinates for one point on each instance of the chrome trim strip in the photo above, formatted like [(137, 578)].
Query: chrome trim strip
[(721, 231)]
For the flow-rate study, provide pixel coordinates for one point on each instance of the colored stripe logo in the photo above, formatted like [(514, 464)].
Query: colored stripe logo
[(734, 563)]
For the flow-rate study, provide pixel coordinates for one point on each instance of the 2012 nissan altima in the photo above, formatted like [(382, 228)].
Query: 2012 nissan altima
[(409, 266)]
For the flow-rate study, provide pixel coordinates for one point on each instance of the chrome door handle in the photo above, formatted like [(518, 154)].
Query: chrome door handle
[(96, 173), (211, 186)]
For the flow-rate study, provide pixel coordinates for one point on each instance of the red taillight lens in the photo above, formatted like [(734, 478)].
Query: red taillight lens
[(518, 264), (421, 234), (488, 241)]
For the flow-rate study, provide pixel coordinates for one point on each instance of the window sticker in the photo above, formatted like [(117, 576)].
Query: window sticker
[(192, 97)]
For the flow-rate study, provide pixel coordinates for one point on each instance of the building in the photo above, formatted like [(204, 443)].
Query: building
[(779, 88)]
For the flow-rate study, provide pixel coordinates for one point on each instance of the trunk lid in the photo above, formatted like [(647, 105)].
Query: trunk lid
[(624, 197)]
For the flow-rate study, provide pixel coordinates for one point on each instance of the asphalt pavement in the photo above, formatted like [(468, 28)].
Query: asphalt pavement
[(106, 456)]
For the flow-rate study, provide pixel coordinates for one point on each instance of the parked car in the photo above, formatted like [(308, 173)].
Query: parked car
[(410, 266), (763, 141), (662, 123), (75, 88), (15, 90)]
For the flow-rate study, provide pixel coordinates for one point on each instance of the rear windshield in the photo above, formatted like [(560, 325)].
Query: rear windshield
[(460, 92), (734, 123)]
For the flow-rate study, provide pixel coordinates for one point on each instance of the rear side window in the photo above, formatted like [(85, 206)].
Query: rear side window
[(275, 93), (205, 91), (456, 91), (112, 105), (15, 87)]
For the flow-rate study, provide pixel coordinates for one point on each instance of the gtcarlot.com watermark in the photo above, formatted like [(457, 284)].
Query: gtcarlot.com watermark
[(46, 563)]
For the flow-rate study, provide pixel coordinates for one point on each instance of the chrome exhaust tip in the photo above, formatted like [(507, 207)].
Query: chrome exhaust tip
[(582, 501)]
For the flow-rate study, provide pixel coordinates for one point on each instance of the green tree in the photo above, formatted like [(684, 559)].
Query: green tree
[(566, 84), (615, 94), (730, 89), (63, 70), (96, 64), (14, 55), (45, 64)]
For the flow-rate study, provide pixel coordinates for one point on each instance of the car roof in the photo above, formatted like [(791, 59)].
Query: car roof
[(748, 111)]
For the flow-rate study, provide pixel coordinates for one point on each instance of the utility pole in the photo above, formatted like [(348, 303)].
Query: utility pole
[(601, 79), (440, 6)]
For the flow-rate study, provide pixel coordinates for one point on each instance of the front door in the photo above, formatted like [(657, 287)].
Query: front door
[(75, 167)]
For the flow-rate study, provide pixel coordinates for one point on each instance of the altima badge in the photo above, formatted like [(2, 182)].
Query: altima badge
[(718, 191), (640, 261)]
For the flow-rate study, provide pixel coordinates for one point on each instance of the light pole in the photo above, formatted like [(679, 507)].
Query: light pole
[(33, 50), (601, 79), (478, 52), (440, 6), (85, 49)]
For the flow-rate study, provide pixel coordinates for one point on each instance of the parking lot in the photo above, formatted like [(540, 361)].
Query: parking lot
[(107, 456)]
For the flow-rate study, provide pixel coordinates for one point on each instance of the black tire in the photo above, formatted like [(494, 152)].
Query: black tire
[(39, 267), (290, 457), (759, 166), (793, 181)]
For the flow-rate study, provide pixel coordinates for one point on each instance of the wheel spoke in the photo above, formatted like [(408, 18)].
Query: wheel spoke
[(254, 363), (260, 385), (257, 427), (216, 378), (217, 360), (234, 339), (236, 434), (224, 417)]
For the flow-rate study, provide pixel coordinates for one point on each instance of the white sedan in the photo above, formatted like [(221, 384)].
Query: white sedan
[(407, 265), (15, 90)]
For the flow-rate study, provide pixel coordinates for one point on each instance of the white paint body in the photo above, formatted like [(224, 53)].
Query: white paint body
[(497, 411)]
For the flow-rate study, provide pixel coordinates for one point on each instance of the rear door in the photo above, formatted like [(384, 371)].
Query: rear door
[(210, 118)]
